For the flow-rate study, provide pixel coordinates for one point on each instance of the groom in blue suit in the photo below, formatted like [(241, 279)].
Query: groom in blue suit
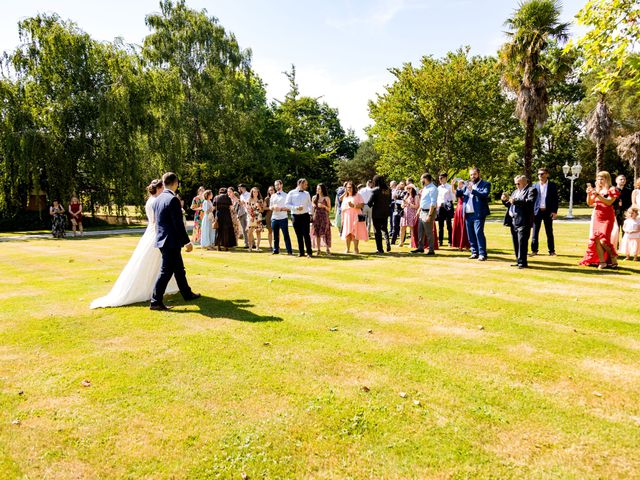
[(171, 236), (476, 209)]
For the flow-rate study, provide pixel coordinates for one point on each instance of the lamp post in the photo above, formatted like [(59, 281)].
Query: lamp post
[(575, 170)]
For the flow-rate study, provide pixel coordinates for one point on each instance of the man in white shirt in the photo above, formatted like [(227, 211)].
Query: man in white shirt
[(280, 219), (299, 204), (366, 192), (444, 207)]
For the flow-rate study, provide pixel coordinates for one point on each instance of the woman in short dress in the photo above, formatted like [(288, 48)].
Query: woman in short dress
[(266, 216), (410, 204), (57, 219), (235, 206), (603, 234), (75, 215), (254, 209), (320, 214), (196, 206), (354, 228)]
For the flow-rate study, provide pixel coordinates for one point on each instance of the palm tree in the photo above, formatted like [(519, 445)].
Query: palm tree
[(599, 128), (629, 149), (527, 69)]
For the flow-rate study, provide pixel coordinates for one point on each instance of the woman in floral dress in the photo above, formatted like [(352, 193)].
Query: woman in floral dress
[(57, 219), (196, 206), (321, 223), (254, 210)]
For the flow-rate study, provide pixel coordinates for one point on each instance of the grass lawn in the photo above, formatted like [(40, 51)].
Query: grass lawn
[(336, 368)]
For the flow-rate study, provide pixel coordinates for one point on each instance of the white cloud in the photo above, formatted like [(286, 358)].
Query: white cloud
[(380, 15), (349, 95)]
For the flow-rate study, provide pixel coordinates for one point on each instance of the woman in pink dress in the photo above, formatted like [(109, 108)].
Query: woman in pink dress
[(603, 235), (410, 204), (459, 237), (353, 222)]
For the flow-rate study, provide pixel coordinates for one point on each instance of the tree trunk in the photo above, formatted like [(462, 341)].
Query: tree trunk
[(528, 147), (599, 155)]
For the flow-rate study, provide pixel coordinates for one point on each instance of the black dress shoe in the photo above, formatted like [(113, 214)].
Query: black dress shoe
[(522, 266), (473, 256), (160, 307), (418, 250), (514, 265), (430, 253), (482, 258), (193, 296)]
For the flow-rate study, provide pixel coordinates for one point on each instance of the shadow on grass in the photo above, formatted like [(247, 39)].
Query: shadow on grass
[(216, 308)]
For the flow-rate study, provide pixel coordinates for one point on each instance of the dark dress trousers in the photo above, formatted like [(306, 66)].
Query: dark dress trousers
[(519, 218), (544, 216)]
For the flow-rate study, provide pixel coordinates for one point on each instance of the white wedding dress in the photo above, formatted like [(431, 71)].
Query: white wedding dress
[(135, 283)]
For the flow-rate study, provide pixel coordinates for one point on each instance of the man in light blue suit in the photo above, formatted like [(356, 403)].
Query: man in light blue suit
[(476, 195)]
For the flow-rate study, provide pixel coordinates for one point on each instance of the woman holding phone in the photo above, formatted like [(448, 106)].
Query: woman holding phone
[(603, 234)]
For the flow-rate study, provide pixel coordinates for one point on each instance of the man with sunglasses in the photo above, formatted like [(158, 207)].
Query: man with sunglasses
[(545, 211)]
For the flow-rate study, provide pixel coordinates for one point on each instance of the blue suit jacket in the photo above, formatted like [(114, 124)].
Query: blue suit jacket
[(478, 197), (170, 231)]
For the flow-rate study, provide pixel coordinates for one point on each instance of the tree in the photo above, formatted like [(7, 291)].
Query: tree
[(313, 136), (599, 126), (363, 165), (528, 68), (629, 150), (445, 114)]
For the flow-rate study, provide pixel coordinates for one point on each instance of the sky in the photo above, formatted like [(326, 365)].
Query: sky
[(342, 49)]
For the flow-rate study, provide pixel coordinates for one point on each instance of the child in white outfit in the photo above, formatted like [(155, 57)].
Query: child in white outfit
[(631, 239)]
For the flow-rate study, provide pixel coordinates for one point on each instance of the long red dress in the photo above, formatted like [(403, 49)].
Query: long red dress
[(459, 238), (603, 227), (414, 233)]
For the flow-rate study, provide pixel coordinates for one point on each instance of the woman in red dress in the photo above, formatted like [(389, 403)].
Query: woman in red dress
[(75, 214), (601, 250), (459, 237)]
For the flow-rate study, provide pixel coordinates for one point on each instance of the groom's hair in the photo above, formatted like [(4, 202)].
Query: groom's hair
[(169, 179)]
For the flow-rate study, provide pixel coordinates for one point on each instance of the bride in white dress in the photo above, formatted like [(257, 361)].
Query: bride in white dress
[(135, 283)]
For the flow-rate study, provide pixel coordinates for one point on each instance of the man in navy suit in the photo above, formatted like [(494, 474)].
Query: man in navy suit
[(171, 236), (476, 209), (546, 211), (519, 217)]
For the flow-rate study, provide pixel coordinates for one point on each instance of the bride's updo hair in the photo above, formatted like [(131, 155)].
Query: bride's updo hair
[(152, 188)]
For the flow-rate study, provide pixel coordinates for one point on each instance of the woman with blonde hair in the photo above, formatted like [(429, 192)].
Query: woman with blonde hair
[(603, 234), (254, 207), (75, 215)]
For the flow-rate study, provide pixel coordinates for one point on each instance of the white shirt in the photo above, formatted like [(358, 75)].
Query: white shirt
[(366, 193), (543, 194), (444, 195), (299, 202), (468, 207), (245, 197), (278, 199)]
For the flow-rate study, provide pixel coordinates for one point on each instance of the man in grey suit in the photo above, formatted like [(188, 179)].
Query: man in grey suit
[(519, 217)]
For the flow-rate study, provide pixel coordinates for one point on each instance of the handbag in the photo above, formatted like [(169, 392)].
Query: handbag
[(362, 217)]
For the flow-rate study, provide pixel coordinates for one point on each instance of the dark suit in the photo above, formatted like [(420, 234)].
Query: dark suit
[(171, 236), (474, 221), (379, 203), (545, 216), (519, 218)]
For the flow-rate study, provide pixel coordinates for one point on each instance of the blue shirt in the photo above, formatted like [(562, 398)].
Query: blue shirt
[(428, 196)]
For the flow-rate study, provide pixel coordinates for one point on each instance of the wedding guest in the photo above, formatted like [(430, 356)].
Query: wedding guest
[(299, 204), (338, 204), (631, 240), (476, 208), (379, 203), (365, 192), (243, 214), (354, 228), (57, 219), (427, 214), (184, 213), (635, 195), (546, 211), (196, 206), (459, 238), (226, 235), (321, 221), (280, 219), (601, 250), (397, 211), (410, 206), (519, 217), (236, 206), (267, 214), (206, 225), (75, 214), (254, 209), (624, 199), (444, 212), (392, 188)]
